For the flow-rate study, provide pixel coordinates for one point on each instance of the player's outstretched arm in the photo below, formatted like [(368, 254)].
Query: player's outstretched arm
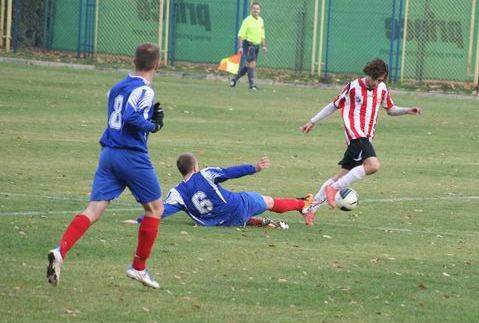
[(263, 163), (323, 114), (218, 175), (395, 111)]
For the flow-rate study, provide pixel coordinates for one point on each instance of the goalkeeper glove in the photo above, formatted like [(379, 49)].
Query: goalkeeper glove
[(157, 117)]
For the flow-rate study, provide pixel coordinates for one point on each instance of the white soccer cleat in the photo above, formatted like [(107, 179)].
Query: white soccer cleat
[(143, 276), (55, 261)]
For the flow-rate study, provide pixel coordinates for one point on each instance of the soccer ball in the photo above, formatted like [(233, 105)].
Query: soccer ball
[(346, 199)]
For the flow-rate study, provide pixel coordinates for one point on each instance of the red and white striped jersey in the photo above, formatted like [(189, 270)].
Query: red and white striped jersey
[(360, 107)]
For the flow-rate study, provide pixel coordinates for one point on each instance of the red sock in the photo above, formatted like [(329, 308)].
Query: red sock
[(75, 231), (255, 222), (285, 205), (146, 238)]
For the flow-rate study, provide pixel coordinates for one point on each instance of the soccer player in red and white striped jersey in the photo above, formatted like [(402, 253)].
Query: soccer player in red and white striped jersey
[(359, 103)]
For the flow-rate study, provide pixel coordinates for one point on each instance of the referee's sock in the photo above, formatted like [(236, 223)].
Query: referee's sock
[(251, 73), (243, 70)]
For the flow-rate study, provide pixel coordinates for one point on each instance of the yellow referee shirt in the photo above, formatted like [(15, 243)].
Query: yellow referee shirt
[(252, 30)]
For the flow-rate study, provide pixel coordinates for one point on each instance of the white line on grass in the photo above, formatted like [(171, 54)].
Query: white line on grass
[(31, 213), (459, 233), (385, 200), (419, 199), (58, 197), (380, 200)]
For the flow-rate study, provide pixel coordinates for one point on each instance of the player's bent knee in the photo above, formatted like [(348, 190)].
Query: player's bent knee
[(269, 201), (372, 166), (154, 209), (95, 209)]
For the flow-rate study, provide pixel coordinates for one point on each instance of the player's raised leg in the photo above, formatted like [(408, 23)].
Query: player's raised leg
[(147, 233), (320, 196), (75, 230), (370, 166)]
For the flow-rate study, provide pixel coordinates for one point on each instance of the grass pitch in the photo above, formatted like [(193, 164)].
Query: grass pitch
[(409, 252)]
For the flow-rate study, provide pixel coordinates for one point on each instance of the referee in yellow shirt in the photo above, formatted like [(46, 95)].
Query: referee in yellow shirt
[(250, 37)]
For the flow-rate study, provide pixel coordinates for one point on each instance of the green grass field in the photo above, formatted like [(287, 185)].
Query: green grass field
[(408, 253)]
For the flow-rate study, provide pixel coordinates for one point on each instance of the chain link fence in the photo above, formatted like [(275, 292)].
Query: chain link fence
[(439, 40), (422, 40)]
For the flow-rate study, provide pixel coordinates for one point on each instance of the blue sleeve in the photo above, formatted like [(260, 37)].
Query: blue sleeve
[(219, 175), (135, 118), (138, 105)]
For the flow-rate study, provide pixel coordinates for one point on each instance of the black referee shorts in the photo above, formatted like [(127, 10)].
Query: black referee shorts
[(357, 151), (250, 51)]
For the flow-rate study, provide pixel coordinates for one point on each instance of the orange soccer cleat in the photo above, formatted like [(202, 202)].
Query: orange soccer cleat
[(307, 213), (331, 195)]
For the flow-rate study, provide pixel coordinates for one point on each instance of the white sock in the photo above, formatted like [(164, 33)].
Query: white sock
[(320, 197), (354, 175)]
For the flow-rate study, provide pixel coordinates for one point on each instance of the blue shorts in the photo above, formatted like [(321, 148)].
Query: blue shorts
[(120, 168), (253, 204)]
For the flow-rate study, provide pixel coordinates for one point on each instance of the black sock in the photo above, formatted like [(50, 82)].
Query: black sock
[(251, 72), (241, 72)]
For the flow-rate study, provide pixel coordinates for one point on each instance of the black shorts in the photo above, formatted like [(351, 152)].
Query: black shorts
[(358, 150), (250, 51)]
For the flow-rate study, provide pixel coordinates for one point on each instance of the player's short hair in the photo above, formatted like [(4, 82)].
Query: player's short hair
[(147, 56), (376, 68), (255, 3), (186, 163)]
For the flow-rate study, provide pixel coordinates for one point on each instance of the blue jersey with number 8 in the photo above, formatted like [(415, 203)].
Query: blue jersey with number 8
[(129, 114)]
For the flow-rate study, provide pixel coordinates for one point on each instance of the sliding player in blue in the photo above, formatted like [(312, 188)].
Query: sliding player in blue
[(201, 196)]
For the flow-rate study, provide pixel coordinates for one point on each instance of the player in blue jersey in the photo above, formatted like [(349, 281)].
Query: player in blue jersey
[(124, 162), (201, 196)]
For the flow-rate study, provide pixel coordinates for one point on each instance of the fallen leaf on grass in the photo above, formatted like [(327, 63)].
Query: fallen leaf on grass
[(422, 286), (336, 264)]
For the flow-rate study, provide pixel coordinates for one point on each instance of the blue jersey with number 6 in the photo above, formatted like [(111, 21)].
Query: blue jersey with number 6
[(208, 203), (129, 114)]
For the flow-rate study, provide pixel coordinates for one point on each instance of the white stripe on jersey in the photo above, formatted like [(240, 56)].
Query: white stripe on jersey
[(360, 108), (141, 98), (369, 113), (209, 174)]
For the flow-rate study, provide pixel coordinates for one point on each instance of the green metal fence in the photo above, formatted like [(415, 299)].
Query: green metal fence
[(421, 40)]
